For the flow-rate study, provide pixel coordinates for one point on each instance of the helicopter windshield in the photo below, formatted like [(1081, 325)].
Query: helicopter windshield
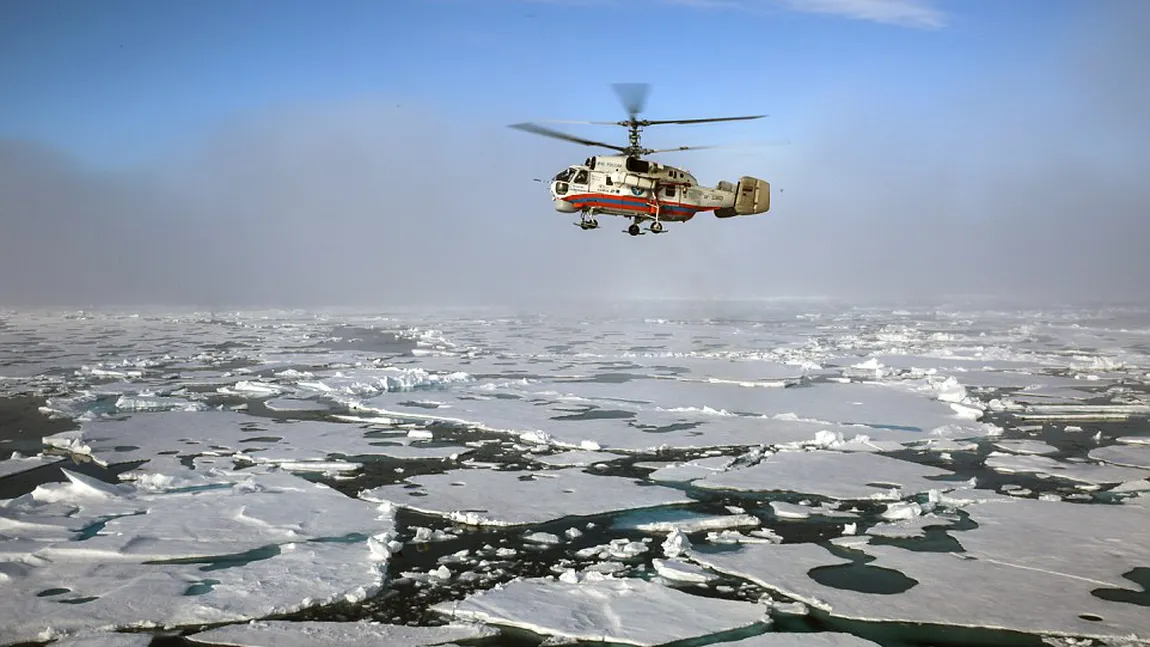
[(564, 175)]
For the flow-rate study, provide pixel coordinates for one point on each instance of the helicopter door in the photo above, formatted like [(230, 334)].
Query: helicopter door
[(669, 194), (581, 178)]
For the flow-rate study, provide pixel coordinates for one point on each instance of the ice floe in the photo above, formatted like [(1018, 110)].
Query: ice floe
[(278, 633), (831, 474), (937, 588), (505, 498), (1097, 474), (130, 557), (1127, 455), (601, 608)]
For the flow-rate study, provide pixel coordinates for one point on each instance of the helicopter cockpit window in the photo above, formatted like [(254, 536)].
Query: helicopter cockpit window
[(580, 177), (564, 175)]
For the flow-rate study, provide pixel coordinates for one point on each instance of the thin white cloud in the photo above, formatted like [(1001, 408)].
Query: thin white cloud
[(905, 13)]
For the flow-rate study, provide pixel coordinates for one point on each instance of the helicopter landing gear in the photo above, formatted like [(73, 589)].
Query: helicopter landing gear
[(634, 229), (587, 220), (656, 227)]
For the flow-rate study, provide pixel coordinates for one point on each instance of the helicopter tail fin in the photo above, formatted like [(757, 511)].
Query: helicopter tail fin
[(752, 196)]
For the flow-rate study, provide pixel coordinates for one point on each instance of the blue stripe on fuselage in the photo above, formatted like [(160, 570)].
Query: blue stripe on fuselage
[(597, 201)]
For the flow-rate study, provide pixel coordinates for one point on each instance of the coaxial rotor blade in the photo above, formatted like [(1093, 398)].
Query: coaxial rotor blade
[(633, 96), (650, 122), (650, 151), (576, 121), (547, 132)]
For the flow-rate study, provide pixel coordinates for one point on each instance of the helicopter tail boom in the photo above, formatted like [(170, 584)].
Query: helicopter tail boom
[(752, 196)]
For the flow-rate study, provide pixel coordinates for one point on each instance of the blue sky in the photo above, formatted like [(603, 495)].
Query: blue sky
[(358, 151), (118, 80)]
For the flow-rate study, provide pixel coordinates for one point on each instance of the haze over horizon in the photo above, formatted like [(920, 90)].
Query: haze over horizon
[(293, 154)]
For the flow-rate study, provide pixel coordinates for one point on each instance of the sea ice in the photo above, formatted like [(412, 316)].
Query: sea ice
[(106, 640), (146, 435), (945, 589), (507, 498), (576, 458), (18, 464), (785, 510), (1026, 446), (602, 608), (1082, 472), (835, 475), (280, 633), (1127, 455), (131, 556), (801, 639)]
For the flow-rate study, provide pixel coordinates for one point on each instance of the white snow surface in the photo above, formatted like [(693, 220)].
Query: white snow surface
[(835, 475), (508, 498), (139, 568), (628, 611), (278, 633)]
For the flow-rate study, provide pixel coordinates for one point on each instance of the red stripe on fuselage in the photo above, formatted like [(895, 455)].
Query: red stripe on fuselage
[(670, 211)]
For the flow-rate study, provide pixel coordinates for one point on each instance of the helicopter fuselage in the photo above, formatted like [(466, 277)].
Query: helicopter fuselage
[(628, 186)]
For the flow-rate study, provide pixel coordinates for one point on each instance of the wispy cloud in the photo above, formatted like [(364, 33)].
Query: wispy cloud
[(906, 13), (919, 14)]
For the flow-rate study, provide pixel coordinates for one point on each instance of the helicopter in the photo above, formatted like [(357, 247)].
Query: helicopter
[(643, 190)]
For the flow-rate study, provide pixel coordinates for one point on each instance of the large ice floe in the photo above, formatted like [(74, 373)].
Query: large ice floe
[(601, 608), (745, 474)]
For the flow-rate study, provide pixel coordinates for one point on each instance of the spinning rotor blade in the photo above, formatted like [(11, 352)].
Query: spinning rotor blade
[(633, 96), (580, 122), (728, 146), (650, 122), (547, 132), (652, 151)]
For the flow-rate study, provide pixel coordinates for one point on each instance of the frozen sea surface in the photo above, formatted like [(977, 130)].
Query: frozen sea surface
[(783, 473)]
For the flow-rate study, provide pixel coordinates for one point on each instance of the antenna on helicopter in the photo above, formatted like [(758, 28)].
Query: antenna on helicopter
[(633, 96)]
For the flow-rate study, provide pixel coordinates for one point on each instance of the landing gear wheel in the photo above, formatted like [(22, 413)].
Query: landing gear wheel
[(592, 224), (656, 227), (633, 230)]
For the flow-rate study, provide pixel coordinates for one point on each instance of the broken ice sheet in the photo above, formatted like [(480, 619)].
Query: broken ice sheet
[(1088, 543), (234, 549), (227, 520), (785, 510), (279, 633), (144, 436), (106, 640), (1081, 472), (1126, 455), (124, 594), (1026, 446), (803, 639), (945, 589), (603, 608), (576, 458), (835, 475), (507, 498), (667, 413)]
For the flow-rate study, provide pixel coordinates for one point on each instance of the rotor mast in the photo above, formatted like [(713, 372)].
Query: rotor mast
[(634, 98)]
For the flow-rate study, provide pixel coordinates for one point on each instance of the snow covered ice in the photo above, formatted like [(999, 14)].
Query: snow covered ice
[(644, 473)]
